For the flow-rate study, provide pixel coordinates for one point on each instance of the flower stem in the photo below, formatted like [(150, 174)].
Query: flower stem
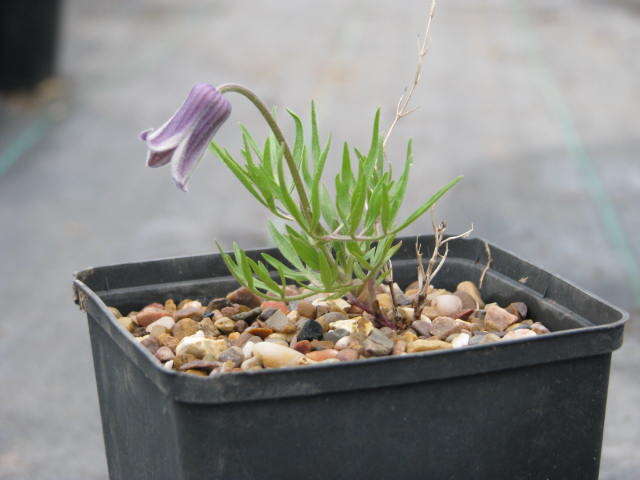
[(293, 169)]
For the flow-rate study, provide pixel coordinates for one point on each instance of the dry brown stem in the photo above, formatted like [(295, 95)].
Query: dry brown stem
[(487, 265), (402, 109), (435, 263)]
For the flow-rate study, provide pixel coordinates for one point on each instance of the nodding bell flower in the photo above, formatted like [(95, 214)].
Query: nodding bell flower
[(184, 138)]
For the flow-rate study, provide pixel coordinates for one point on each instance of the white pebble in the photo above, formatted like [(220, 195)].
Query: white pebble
[(247, 350), (274, 356), (447, 305), (461, 340), (343, 343)]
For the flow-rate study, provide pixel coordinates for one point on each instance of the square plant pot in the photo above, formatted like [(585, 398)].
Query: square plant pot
[(529, 408), (28, 42)]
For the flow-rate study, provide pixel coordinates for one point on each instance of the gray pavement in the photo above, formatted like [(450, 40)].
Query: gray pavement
[(535, 102)]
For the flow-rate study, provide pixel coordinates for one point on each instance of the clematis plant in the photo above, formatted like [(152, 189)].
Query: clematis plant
[(338, 244)]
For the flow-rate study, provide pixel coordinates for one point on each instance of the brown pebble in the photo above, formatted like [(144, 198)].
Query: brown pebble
[(193, 311), (399, 347), (422, 326), (463, 325), (139, 332), (471, 289), (200, 373), (170, 306), (232, 355), (271, 304), (347, 355), (225, 324), (408, 336), (306, 309), (127, 323), (330, 317), (244, 296), (497, 318), (164, 354), (465, 314), (489, 338), (148, 315), (539, 328), (259, 331), (304, 346), (208, 328), (183, 302), (241, 326), (181, 359), (427, 345), (518, 309), (320, 355), (242, 339), (442, 327), (231, 311), (185, 328), (199, 365), (218, 303), (468, 303), (321, 344), (169, 341), (151, 344)]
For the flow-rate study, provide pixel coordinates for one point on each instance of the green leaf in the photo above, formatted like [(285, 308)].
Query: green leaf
[(249, 142), (329, 212), (284, 269), (399, 189), (374, 208), (427, 205), (354, 248), (299, 150), (357, 204), (232, 266), (286, 199), (375, 152), (244, 267), (299, 140), (315, 136), (327, 273), (303, 248), (285, 247), (316, 186), (238, 171), (386, 217), (346, 173), (263, 274)]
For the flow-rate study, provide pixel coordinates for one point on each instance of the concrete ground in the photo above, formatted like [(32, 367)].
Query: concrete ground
[(535, 102)]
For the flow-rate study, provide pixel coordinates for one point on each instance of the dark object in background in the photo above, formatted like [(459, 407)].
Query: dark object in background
[(531, 408), (28, 41)]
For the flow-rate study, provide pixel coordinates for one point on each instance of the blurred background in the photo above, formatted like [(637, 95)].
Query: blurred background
[(535, 102)]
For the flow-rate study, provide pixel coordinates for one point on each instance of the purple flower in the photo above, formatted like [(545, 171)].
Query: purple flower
[(184, 138)]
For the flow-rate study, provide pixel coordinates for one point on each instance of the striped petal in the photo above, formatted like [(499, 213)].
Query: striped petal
[(158, 159), (178, 126), (189, 152)]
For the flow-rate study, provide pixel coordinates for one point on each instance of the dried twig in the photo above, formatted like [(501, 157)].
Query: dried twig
[(435, 263), (402, 109), (487, 265), (421, 273)]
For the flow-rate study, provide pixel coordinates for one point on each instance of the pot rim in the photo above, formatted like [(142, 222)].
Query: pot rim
[(590, 339)]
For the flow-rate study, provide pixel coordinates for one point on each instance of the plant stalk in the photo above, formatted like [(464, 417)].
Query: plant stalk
[(264, 111)]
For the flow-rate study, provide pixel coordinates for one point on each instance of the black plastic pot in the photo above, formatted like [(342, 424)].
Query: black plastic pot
[(28, 39), (530, 408)]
